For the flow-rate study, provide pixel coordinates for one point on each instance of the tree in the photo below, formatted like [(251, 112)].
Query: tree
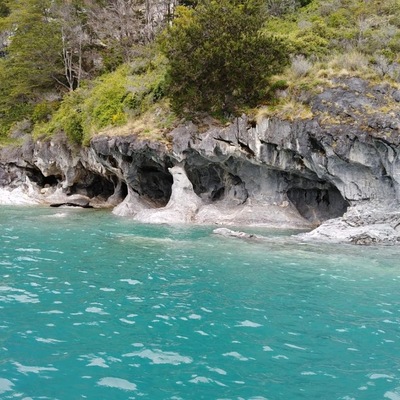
[(71, 20), (280, 7), (31, 62), (4, 9), (219, 60)]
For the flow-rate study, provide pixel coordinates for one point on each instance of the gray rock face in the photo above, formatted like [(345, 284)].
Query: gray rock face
[(182, 206), (341, 163)]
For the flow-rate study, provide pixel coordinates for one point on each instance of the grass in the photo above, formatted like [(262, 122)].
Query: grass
[(326, 39), (153, 124)]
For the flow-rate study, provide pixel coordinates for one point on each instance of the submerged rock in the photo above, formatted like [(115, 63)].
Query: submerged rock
[(236, 234)]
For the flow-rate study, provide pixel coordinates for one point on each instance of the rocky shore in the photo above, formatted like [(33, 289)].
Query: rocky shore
[(338, 172)]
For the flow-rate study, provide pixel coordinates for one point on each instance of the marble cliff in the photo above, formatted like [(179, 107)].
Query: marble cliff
[(338, 171)]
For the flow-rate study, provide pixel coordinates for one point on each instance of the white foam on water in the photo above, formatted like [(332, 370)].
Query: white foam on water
[(98, 362), (202, 333), (107, 289), (51, 312), (267, 348), (96, 310), (58, 215), (29, 250), (5, 385), (281, 357), (236, 355), (308, 373), (25, 369), (164, 317), (161, 357), (380, 376), (201, 379), (217, 370), (194, 316), (9, 237), (248, 324), (392, 395), (48, 340), (117, 383), (292, 346), (127, 321), (30, 259), (258, 398), (131, 281), (24, 297)]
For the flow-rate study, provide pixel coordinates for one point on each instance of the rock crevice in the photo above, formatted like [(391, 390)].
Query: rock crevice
[(342, 172)]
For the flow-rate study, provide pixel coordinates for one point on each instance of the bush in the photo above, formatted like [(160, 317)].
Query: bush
[(109, 101), (73, 128), (42, 111), (219, 60)]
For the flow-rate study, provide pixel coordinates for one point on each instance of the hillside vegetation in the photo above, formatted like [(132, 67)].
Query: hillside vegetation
[(85, 67)]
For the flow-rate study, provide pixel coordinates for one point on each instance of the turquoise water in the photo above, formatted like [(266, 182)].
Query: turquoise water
[(98, 307)]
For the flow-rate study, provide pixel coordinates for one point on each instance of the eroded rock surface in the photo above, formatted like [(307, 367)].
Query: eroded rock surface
[(339, 169)]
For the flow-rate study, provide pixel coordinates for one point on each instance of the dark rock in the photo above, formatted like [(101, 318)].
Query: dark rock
[(396, 95), (68, 204), (299, 173)]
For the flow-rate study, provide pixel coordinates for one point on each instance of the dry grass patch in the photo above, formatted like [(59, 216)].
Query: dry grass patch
[(289, 111), (153, 124)]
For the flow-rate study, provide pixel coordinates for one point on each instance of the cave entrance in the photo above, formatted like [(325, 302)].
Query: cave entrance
[(93, 185), (318, 205), (35, 175), (155, 184), (212, 182)]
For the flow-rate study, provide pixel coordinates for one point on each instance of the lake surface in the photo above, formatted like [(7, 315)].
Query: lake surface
[(94, 306)]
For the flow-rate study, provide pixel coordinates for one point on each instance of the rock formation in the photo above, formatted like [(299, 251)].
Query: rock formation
[(339, 170)]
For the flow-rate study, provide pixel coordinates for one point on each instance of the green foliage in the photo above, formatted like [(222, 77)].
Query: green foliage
[(4, 9), (104, 106), (32, 62), (67, 119), (109, 101), (219, 57), (323, 27), (43, 111), (219, 60), (279, 85)]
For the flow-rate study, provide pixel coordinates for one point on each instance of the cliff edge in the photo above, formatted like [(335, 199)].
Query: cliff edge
[(337, 171)]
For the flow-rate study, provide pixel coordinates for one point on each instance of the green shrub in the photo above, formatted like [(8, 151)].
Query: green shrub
[(43, 111), (219, 60), (279, 85), (73, 128), (109, 101)]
